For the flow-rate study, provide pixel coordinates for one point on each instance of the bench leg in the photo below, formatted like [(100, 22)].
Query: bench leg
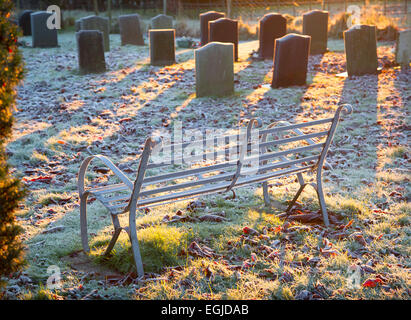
[(83, 222), (117, 231), (321, 199), (290, 206), (132, 232), (267, 201)]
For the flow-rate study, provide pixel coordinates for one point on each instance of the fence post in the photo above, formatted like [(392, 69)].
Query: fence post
[(228, 8)]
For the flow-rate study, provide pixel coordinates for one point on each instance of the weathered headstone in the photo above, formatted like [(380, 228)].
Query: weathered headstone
[(361, 50), (315, 24), (403, 47), (162, 21), (90, 47), (100, 24), (130, 30), (224, 30), (25, 22), (214, 69), (42, 36), (205, 18), (162, 47), (271, 27), (290, 60)]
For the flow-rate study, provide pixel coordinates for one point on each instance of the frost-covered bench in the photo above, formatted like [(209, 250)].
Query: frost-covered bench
[(166, 174)]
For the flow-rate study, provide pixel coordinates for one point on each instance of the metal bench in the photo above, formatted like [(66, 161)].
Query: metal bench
[(254, 155)]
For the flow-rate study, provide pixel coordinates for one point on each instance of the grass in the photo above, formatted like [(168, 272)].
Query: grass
[(369, 187)]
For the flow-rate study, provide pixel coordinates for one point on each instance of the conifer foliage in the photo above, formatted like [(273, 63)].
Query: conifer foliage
[(11, 73)]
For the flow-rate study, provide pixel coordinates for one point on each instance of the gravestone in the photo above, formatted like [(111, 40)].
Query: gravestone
[(403, 47), (162, 47), (90, 48), (205, 18), (42, 36), (224, 30), (130, 30), (360, 43), (315, 24), (290, 60), (162, 21), (100, 24), (25, 22), (214, 69), (271, 27)]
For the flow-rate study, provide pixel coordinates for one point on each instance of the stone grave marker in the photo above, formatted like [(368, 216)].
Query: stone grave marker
[(162, 47), (25, 22), (290, 60), (205, 18), (360, 43), (90, 48), (100, 24), (130, 30), (403, 47), (315, 24), (162, 21), (42, 36), (224, 30), (271, 27), (214, 64)]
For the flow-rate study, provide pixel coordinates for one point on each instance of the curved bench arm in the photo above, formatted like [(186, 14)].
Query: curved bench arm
[(109, 164)]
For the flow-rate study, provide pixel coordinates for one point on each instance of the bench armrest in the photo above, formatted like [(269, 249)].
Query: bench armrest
[(109, 164)]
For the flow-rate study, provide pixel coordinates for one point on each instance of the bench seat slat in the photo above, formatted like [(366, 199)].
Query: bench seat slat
[(220, 186), (109, 189), (189, 172), (225, 176)]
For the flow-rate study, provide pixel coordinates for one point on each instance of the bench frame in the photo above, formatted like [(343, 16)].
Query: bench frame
[(136, 187)]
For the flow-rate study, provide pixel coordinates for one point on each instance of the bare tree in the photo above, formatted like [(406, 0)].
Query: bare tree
[(95, 3)]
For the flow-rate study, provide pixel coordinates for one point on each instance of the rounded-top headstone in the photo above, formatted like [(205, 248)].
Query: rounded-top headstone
[(224, 30), (315, 24), (100, 24), (271, 27), (403, 47), (214, 69), (162, 47), (360, 43), (90, 47), (42, 36), (162, 21), (130, 30), (25, 22), (290, 60), (205, 18)]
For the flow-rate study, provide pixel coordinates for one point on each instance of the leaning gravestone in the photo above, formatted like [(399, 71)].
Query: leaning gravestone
[(25, 22), (290, 60), (100, 24), (90, 47), (272, 26), (315, 24), (130, 30), (162, 47), (214, 69), (224, 30), (205, 18), (403, 47), (42, 36), (361, 50), (162, 21)]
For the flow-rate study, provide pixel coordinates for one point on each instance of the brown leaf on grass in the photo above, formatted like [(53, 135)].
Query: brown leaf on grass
[(357, 236), (195, 250)]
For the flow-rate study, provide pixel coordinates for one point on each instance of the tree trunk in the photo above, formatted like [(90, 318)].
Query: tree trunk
[(109, 12), (95, 3)]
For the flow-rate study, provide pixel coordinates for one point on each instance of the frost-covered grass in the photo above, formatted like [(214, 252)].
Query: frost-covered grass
[(63, 117)]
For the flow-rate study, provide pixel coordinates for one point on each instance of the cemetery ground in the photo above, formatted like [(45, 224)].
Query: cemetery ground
[(63, 117)]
